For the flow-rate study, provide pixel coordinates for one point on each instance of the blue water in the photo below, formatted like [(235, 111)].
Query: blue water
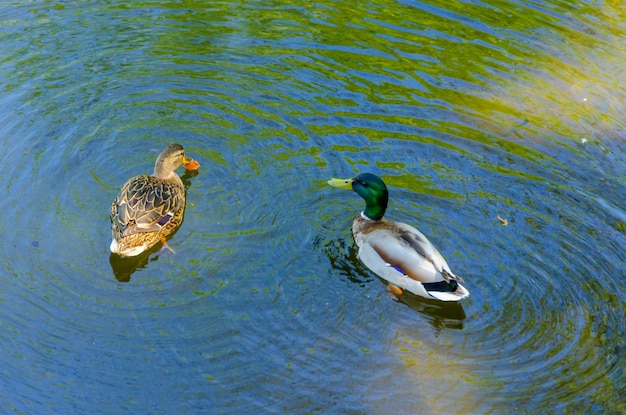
[(469, 111)]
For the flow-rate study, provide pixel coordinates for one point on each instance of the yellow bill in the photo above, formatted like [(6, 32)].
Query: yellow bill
[(341, 183)]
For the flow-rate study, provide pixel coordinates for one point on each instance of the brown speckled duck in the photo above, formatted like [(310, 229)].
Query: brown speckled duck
[(395, 251), (149, 208)]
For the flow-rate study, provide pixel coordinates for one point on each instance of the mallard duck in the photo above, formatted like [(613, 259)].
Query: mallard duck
[(149, 208), (395, 251)]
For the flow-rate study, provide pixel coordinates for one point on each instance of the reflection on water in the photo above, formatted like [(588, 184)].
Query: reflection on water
[(441, 315), (124, 267), (468, 110)]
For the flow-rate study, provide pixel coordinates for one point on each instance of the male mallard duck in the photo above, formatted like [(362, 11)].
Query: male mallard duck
[(397, 252), (149, 208)]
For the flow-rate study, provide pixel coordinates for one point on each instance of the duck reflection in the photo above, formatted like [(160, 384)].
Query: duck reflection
[(343, 258), (438, 313), (124, 267), (187, 175)]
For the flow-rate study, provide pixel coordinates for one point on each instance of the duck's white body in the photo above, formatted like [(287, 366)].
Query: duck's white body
[(404, 257), (395, 251)]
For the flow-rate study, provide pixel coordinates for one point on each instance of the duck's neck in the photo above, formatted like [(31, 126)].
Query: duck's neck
[(375, 209), (364, 216), (171, 177), (164, 174)]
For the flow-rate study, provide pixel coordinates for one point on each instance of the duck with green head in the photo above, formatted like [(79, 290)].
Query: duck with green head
[(149, 208), (395, 251)]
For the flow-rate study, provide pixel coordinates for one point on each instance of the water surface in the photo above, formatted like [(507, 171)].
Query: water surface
[(469, 111)]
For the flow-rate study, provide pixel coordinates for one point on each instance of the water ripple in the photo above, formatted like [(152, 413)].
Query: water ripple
[(468, 111)]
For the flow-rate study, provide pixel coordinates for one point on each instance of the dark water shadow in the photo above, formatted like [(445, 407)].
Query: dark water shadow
[(187, 175), (440, 314), (343, 258), (124, 267)]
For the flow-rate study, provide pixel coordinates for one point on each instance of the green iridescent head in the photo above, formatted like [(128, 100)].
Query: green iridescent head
[(371, 188)]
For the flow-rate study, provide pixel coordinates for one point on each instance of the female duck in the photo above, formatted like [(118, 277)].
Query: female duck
[(149, 208), (397, 252)]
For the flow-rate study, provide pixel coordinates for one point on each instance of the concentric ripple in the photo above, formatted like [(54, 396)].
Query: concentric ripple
[(496, 126)]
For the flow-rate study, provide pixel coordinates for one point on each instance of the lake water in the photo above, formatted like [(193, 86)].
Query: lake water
[(469, 110)]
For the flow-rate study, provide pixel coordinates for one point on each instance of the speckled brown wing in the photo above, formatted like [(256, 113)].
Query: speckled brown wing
[(147, 204)]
